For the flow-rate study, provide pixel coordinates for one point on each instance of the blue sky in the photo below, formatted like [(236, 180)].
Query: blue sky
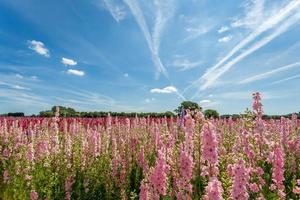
[(149, 55)]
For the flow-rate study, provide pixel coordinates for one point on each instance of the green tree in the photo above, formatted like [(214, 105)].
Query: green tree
[(187, 105), (65, 112), (210, 113)]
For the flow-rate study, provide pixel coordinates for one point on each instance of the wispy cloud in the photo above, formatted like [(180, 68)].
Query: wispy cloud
[(68, 61), (149, 100), (247, 95), (164, 10), (19, 76), (195, 32), (166, 90), (185, 64), (89, 100), (38, 47), (195, 28), (225, 39), (284, 18), (18, 87), (254, 14), (286, 79), (223, 29), (117, 11), (126, 75), (13, 86), (22, 99), (270, 73), (75, 72)]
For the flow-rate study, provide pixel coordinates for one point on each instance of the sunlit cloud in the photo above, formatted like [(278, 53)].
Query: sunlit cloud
[(223, 29), (75, 72), (68, 62), (225, 39), (166, 90), (38, 47)]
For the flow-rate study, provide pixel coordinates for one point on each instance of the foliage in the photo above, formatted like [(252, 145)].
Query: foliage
[(187, 105), (210, 113), (70, 112)]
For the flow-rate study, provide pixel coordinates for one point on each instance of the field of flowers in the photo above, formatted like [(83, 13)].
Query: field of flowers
[(150, 158)]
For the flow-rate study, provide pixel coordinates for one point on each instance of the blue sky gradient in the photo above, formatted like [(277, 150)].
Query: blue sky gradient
[(149, 55)]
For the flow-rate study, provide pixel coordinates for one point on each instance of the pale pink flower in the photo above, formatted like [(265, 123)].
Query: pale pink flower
[(213, 190), (5, 176), (254, 187), (209, 149), (144, 191), (296, 190), (278, 168), (240, 181), (68, 187), (34, 195), (158, 176)]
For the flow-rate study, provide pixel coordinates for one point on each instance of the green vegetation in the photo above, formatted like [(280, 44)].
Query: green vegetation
[(187, 105), (210, 113)]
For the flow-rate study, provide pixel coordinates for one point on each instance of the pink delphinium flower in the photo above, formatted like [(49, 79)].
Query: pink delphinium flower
[(34, 195), (68, 187), (144, 191), (30, 152), (296, 190), (257, 105), (240, 181), (209, 149), (158, 176), (141, 160), (183, 181), (213, 190), (278, 169), (189, 126), (254, 187), (5, 176)]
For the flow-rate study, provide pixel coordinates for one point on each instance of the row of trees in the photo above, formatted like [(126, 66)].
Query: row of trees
[(192, 106), (70, 112)]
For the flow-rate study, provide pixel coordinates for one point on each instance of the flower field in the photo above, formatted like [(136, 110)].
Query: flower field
[(150, 158)]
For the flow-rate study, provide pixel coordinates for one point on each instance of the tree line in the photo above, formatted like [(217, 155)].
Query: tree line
[(192, 106)]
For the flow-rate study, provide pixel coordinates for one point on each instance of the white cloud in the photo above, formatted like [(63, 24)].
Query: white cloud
[(185, 64), (18, 87), (117, 12), (68, 61), (270, 73), (283, 17), (38, 47), (166, 90), (125, 75), (75, 72), (225, 39), (204, 101), (19, 76), (223, 29)]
